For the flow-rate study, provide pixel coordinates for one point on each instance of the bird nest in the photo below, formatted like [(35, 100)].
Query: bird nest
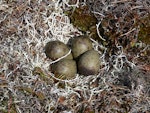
[(123, 82)]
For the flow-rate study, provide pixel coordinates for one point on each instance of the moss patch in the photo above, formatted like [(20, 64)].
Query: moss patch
[(144, 33)]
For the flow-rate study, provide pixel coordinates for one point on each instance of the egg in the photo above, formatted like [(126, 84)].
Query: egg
[(80, 45), (57, 49), (64, 69), (89, 63)]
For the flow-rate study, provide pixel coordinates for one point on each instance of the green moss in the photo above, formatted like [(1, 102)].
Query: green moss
[(30, 91), (144, 33), (42, 75), (8, 105), (12, 109), (82, 18), (25, 89), (85, 21)]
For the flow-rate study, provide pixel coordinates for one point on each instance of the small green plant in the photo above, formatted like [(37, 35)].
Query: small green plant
[(144, 32)]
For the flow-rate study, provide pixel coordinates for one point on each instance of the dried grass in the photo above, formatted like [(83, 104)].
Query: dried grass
[(27, 85)]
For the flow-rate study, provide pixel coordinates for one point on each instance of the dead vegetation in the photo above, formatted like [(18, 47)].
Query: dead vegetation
[(27, 85)]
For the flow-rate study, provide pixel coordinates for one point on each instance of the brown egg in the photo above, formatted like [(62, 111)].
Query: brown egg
[(64, 69), (89, 63), (56, 49), (80, 45)]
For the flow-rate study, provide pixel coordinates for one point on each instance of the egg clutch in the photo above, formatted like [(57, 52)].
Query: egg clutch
[(82, 59)]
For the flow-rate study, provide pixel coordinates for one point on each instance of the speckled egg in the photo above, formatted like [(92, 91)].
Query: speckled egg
[(80, 45), (89, 63), (57, 49), (64, 69)]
